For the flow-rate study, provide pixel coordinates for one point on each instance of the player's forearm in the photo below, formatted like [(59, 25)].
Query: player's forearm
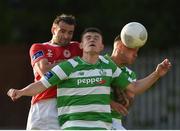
[(33, 89), (142, 85)]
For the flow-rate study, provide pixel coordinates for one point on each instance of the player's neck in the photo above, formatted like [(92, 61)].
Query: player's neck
[(117, 60), (90, 58)]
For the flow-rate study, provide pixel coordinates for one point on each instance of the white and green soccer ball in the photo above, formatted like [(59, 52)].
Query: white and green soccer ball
[(134, 35)]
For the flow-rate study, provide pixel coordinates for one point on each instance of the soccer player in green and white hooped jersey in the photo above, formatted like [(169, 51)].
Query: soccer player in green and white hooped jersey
[(118, 95), (83, 100), (122, 55), (84, 85)]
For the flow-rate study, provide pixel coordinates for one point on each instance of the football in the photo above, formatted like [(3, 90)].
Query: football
[(134, 35)]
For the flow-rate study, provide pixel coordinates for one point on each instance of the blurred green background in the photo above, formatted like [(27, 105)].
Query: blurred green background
[(24, 22), (28, 21)]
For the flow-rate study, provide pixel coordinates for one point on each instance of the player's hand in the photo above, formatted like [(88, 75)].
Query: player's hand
[(125, 98), (129, 97), (14, 94), (163, 67), (119, 108)]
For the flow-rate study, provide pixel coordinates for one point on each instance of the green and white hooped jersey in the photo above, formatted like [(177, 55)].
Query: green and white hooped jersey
[(83, 94), (131, 75)]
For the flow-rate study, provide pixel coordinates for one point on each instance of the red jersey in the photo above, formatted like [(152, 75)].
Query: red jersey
[(52, 53)]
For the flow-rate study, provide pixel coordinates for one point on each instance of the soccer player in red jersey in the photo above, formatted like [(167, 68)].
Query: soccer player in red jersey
[(43, 111)]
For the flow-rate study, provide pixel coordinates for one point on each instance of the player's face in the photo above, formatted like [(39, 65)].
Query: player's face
[(126, 55), (92, 43), (62, 33), (130, 54)]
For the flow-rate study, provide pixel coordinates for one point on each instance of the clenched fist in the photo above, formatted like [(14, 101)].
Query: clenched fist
[(163, 67), (14, 94)]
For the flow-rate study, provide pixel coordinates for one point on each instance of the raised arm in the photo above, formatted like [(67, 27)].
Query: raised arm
[(142, 85)]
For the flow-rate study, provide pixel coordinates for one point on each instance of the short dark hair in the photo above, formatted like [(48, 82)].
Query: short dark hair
[(69, 19), (117, 38), (91, 29)]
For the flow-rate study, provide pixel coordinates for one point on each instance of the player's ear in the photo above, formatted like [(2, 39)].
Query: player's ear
[(121, 46), (53, 29)]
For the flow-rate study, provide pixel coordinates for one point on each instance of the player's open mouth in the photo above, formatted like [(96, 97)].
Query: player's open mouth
[(92, 45)]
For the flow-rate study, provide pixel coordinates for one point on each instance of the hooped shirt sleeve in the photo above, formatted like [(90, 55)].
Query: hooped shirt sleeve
[(121, 79), (37, 52)]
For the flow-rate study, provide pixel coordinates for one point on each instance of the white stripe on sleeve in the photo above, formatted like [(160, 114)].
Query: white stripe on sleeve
[(59, 72), (45, 82), (117, 72)]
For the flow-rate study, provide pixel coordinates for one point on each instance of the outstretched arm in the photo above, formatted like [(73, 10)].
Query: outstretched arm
[(142, 85), (30, 90)]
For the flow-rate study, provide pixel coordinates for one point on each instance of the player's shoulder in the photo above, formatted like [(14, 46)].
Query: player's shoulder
[(70, 64), (128, 71), (39, 45), (125, 68), (106, 58), (108, 61), (76, 43)]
